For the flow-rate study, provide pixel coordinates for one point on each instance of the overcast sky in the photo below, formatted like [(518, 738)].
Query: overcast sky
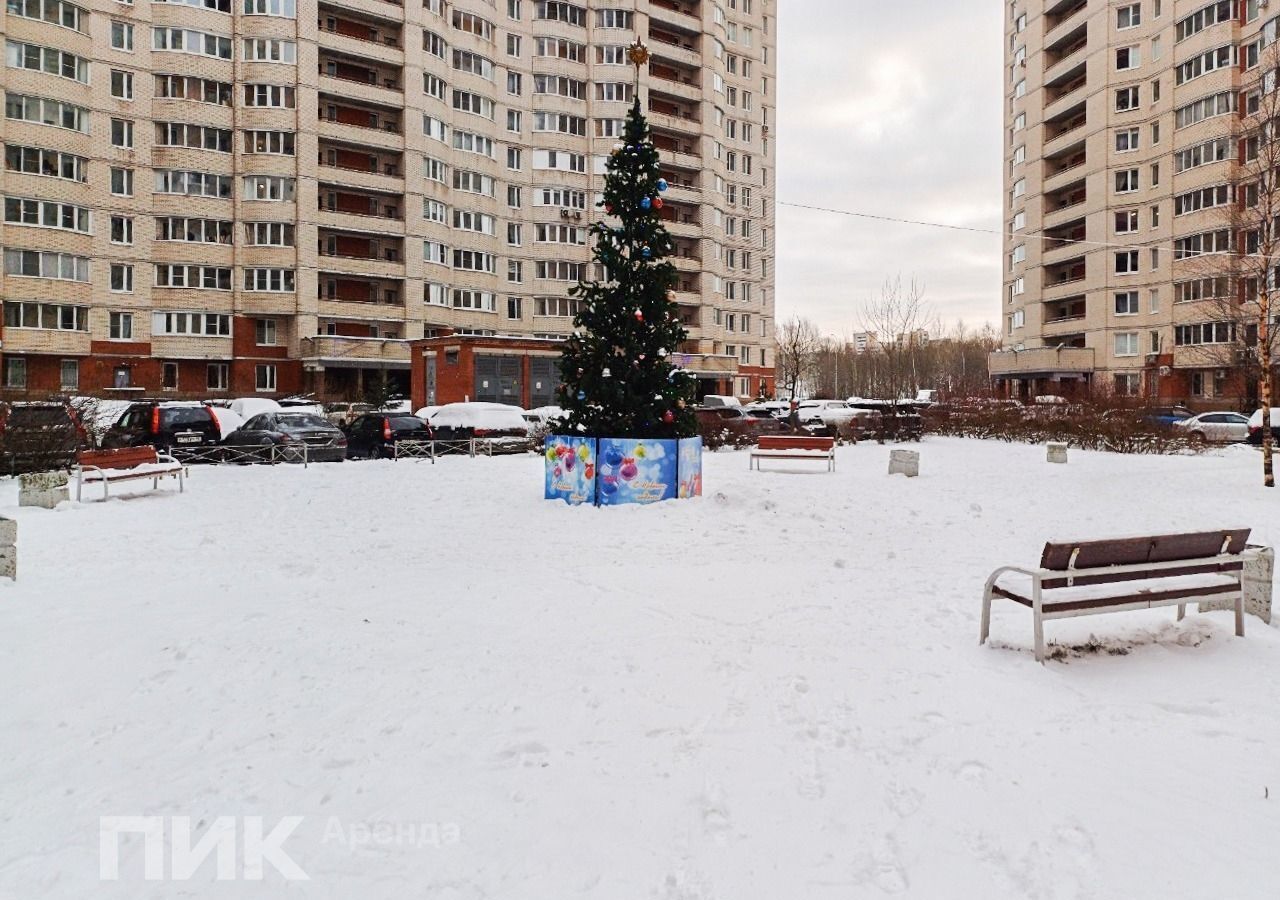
[(891, 108)]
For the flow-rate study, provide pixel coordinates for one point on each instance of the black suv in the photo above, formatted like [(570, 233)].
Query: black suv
[(374, 435), (40, 437), (165, 425)]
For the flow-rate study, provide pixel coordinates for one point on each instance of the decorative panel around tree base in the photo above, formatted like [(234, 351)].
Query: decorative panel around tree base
[(619, 471)]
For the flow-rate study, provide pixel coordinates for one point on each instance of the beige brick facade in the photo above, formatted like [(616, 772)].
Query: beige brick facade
[(284, 198)]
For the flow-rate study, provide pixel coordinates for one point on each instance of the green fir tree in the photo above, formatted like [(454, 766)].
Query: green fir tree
[(619, 374)]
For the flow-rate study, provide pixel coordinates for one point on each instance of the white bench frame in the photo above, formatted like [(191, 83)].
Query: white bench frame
[(1039, 576), (172, 468), (827, 456)]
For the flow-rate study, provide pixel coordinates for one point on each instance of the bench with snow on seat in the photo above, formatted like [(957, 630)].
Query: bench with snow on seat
[(821, 449), (1079, 578), (125, 464)]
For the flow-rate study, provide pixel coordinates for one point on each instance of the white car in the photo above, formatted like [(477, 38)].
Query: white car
[(1217, 427), (831, 413), (248, 407), (719, 400), (1255, 425)]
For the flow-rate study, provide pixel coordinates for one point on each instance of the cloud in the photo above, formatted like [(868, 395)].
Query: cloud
[(894, 110)]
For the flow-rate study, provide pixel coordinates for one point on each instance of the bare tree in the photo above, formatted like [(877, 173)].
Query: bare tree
[(799, 342), (1236, 263), (902, 320)]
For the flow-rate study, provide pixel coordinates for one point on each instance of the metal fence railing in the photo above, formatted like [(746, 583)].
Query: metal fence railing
[(415, 450), (255, 454)]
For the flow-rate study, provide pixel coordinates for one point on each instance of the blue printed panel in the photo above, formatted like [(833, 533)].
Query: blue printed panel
[(690, 467), (636, 471), (571, 469)]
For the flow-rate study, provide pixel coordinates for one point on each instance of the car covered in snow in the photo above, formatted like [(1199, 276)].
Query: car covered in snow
[(502, 426), (288, 428), (248, 407), (719, 400), (1215, 427), (831, 414), (40, 437), (1255, 426)]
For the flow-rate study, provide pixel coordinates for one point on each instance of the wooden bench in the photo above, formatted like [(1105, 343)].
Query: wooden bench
[(1079, 578), (786, 447), (125, 464)]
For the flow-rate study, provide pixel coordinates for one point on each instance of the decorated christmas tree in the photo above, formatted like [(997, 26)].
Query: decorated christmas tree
[(619, 374)]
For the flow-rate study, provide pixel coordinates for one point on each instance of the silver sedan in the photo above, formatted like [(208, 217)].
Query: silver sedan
[(1216, 427)]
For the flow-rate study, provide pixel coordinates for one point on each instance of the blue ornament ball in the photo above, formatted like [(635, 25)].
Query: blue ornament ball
[(613, 458), (662, 184), (646, 203), (582, 395), (646, 252), (609, 486)]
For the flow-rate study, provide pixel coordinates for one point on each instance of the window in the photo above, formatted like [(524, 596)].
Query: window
[(120, 326), (1127, 98), (186, 40), (265, 332), (268, 187), (15, 371), (557, 307), (195, 184), (191, 323), (197, 137), (1129, 16), (1126, 181), (474, 261), (279, 143), (560, 85), (467, 220), (214, 278), (169, 376), (1224, 57), (513, 196), (47, 163), (1126, 221), (513, 121), (1219, 104), (1155, 133), (46, 214), (513, 159), (56, 12), (473, 24), (269, 234), (1207, 242), (473, 63), (122, 36), (434, 252), (45, 264), (473, 143), (434, 44), (121, 133), (513, 45), (264, 378), (42, 111), (433, 86), (1127, 303), (559, 270), (1196, 335), (188, 87), (558, 234), (559, 48), (121, 278), (217, 376), (69, 375), (1126, 343), (121, 84), (435, 211), (483, 301), (216, 5), (277, 281), (513, 308), (557, 11), (515, 272), (122, 229), (1128, 384), (1203, 198), (1155, 174), (1213, 14), (1127, 58), (284, 8), (1126, 140), (473, 182), (1217, 150), (1126, 262), (121, 182), (49, 60), (515, 233), (476, 104), (561, 123), (45, 316), (270, 50), (271, 96), (514, 84)]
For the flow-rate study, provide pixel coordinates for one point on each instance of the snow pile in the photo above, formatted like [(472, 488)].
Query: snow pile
[(487, 416), (773, 692)]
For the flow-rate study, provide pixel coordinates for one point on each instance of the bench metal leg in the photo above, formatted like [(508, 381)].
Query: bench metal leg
[(1037, 610), (986, 617), (1182, 611), (1240, 614)]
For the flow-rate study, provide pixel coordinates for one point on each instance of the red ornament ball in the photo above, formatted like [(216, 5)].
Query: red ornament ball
[(639, 316), (608, 208), (668, 417), (657, 203)]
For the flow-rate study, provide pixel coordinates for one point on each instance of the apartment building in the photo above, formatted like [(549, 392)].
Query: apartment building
[(207, 197), (1123, 134)]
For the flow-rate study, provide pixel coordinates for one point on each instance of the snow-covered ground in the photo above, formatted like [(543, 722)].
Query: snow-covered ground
[(773, 692)]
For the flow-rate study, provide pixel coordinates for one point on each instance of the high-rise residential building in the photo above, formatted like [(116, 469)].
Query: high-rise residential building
[(212, 197), (1124, 128)]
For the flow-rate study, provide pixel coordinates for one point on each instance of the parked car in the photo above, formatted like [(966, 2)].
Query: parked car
[(1255, 426), (374, 435), (538, 422), (719, 400), (827, 416), (738, 422), (248, 407), (167, 425), (343, 414), (504, 426), (776, 408), (40, 437), (302, 404), (1216, 427), (324, 441), (1165, 416)]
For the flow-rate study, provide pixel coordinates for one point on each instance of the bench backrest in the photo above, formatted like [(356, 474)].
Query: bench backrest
[(121, 458), (1160, 548), (769, 442)]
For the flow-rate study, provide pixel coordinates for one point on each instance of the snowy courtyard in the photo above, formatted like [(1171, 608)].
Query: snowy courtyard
[(775, 691)]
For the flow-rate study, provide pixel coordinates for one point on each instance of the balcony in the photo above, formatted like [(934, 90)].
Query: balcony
[(690, 313), (676, 46), (363, 72), (359, 115), (1065, 160), (346, 202), (1064, 85), (1041, 360), (678, 149), (1068, 309), (1068, 271), (701, 363), (346, 23), (340, 287), (365, 167), (1064, 198), (1059, 14), (339, 351), (683, 83), (46, 340), (1064, 46), (673, 116), (1067, 236), (1064, 123)]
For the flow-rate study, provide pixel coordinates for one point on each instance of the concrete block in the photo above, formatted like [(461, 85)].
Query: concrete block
[(1057, 452), (1259, 573), (904, 462), (8, 548)]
